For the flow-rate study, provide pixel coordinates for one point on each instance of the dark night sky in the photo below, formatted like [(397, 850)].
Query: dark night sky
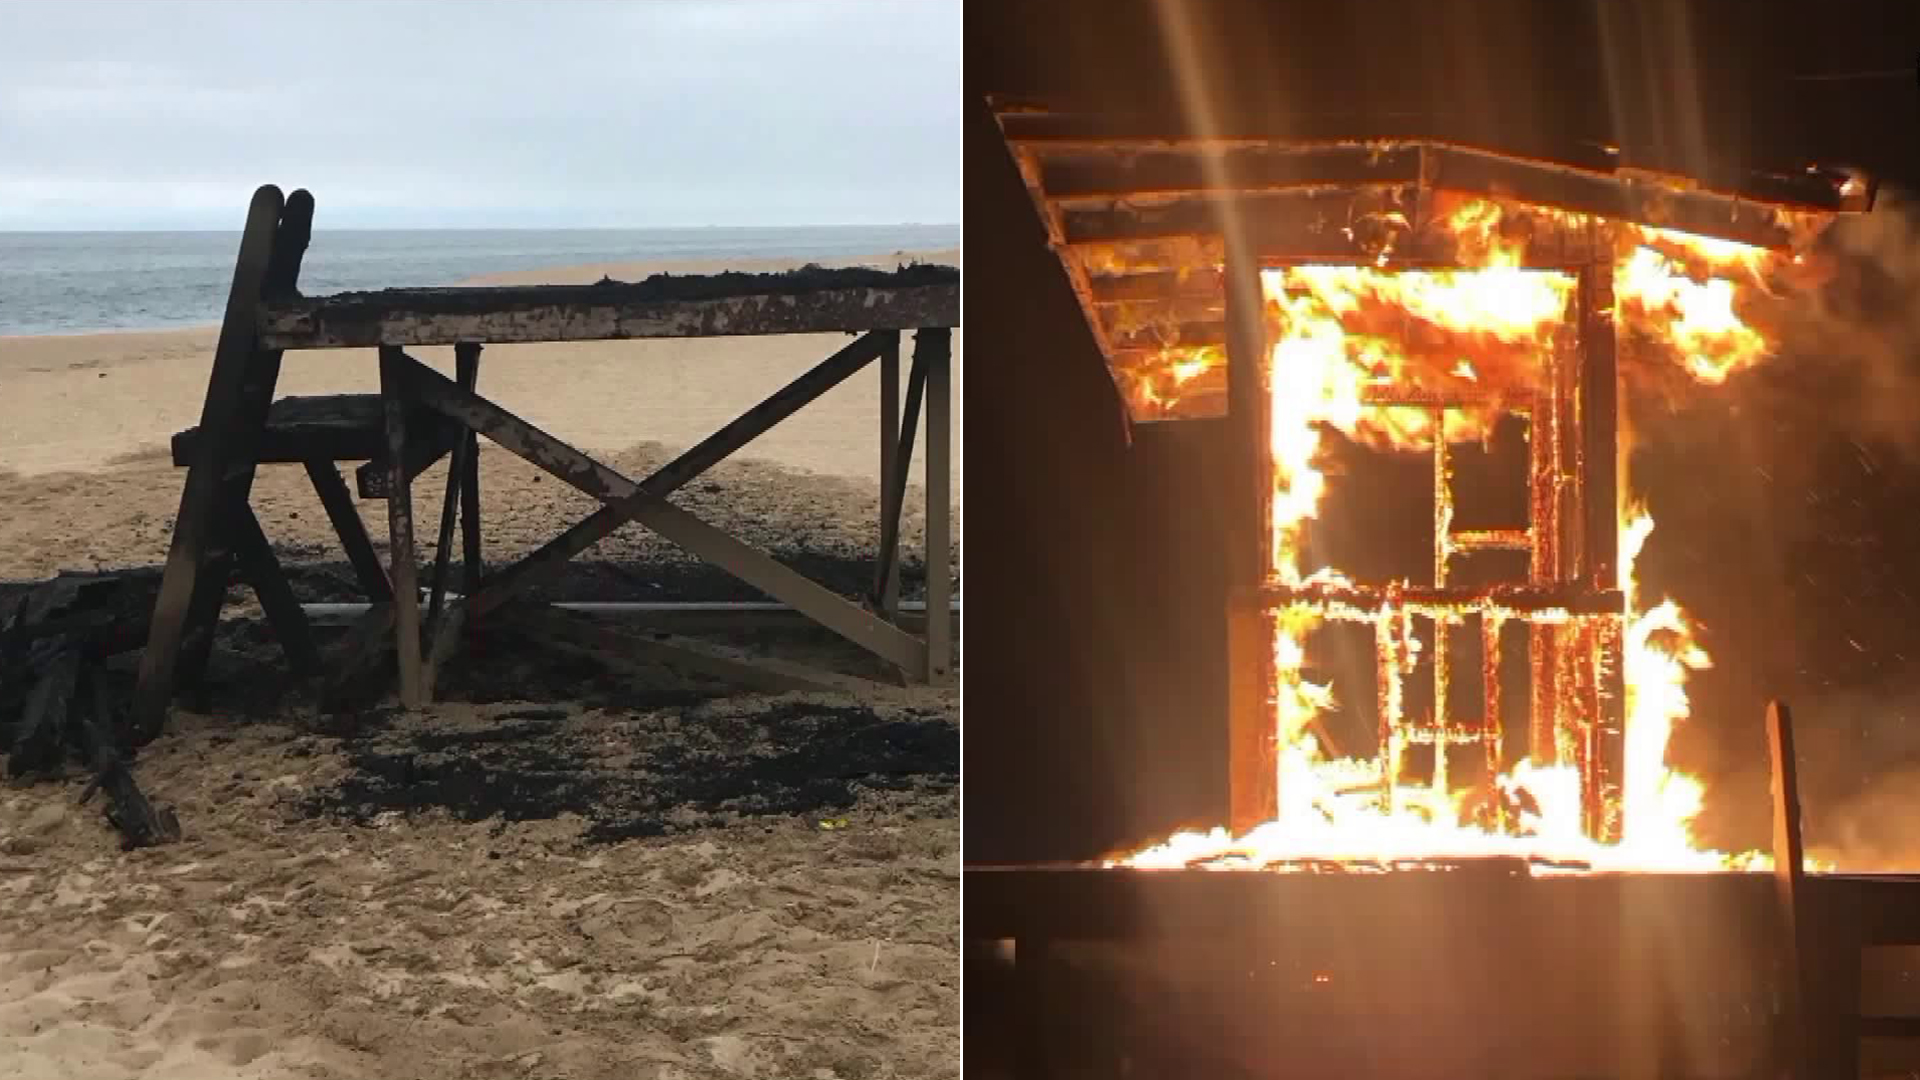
[(1786, 500)]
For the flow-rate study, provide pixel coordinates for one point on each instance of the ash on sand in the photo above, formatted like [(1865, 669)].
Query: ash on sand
[(563, 870), (651, 774)]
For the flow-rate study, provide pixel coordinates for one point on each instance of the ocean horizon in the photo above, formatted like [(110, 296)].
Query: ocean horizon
[(91, 282)]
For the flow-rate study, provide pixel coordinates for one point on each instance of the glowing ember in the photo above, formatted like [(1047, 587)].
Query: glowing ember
[(1482, 340)]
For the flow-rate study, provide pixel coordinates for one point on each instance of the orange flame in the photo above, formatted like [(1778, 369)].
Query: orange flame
[(1343, 334)]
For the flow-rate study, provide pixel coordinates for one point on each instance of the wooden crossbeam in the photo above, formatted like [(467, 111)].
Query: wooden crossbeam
[(646, 503), (517, 314), (523, 439)]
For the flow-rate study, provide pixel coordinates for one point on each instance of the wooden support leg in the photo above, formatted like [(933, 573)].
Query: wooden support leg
[(937, 344), (897, 493), (220, 478), (338, 501), (886, 582), (466, 359), (403, 573), (1789, 875), (254, 554)]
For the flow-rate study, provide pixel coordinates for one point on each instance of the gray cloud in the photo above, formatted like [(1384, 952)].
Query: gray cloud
[(532, 112)]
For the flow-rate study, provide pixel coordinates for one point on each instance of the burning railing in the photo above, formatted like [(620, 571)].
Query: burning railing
[(1409, 296)]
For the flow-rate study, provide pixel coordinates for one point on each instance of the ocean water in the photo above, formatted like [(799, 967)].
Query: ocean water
[(76, 282)]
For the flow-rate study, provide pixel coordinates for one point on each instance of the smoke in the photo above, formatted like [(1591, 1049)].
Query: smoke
[(1859, 330), (1789, 510)]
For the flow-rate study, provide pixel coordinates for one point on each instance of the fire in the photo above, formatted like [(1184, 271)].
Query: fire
[(1346, 339)]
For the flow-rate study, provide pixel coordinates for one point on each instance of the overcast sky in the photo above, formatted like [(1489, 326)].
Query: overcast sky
[(163, 114)]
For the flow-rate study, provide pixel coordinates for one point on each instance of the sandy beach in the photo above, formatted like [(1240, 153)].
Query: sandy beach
[(575, 866)]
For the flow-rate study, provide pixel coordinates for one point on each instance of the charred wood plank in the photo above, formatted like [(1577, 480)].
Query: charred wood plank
[(141, 824), (39, 743), (936, 346), (338, 501), (261, 569), (221, 472), (592, 313), (1362, 603), (466, 365), (329, 427)]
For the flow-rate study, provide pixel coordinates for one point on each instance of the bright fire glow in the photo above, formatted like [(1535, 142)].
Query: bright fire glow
[(1343, 336)]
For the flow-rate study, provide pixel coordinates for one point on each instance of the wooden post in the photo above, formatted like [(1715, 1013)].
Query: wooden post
[(403, 573), (886, 586), (1252, 769), (1600, 546), (200, 502), (937, 344), (897, 486), (1789, 876), (466, 366)]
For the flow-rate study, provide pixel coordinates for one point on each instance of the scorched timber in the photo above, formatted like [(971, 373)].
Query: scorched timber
[(594, 313), (1363, 603)]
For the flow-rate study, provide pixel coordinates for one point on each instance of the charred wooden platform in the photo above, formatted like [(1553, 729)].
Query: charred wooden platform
[(806, 301), (419, 417)]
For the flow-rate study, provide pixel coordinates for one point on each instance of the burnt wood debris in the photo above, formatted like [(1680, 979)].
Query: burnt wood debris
[(63, 707)]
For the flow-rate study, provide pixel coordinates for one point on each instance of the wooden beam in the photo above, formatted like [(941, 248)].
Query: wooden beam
[(897, 490), (466, 363), (937, 346), (1252, 769), (886, 586), (590, 313), (394, 391), (1159, 286), (575, 468), (430, 438), (467, 359), (261, 569), (247, 433), (199, 515), (338, 501)]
